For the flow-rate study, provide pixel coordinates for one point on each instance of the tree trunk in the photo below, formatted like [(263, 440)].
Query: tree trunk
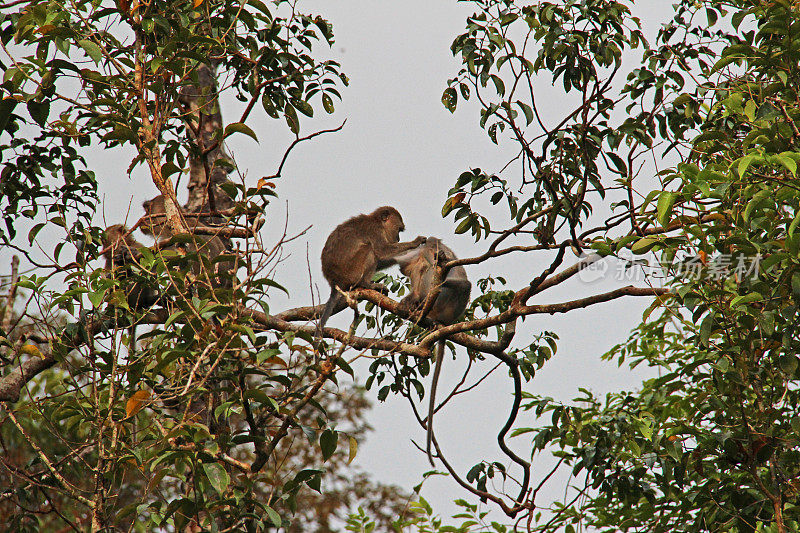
[(205, 128)]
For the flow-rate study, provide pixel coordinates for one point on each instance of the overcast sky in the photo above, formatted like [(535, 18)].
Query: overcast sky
[(401, 147)]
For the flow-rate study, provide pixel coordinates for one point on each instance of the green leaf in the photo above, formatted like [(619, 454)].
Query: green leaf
[(744, 164), (499, 86), (7, 105), (793, 225), (746, 299), (450, 99), (753, 203), (169, 168), (788, 364), (796, 284), (273, 283), (643, 245), (327, 443), (304, 107), (622, 168), (291, 118), (217, 476), (527, 111), (705, 329), (788, 162), (239, 127), (34, 231), (39, 111), (750, 110), (464, 88), (493, 132), (327, 103), (273, 515), (464, 226), (666, 201), (96, 298), (91, 49)]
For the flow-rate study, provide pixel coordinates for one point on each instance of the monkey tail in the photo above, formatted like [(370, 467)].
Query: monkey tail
[(437, 369), (334, 301)]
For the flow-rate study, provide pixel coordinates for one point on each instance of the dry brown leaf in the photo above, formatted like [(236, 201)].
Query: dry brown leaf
[(32, 350), (264, 183), (136, 402), (275, 360)]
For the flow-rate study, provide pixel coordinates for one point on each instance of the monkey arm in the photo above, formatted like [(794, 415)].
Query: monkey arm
[(387, 254)]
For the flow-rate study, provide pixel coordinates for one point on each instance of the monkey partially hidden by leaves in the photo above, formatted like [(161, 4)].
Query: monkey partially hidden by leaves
[(206, 269), (356, 249), (419, 266), (122, 250), (208, 248)]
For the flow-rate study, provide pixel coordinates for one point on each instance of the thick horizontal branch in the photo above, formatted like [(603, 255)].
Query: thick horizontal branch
[(361, 343), (11, 384), (523, 310), (223, 232), (552, 309)]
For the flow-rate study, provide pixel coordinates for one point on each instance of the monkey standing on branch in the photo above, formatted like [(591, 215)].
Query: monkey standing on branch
[(420, 267), (356, 249)]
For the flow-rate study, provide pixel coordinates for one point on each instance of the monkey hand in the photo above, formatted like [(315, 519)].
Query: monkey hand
[(420, 240), (380, 287), (439, 258)]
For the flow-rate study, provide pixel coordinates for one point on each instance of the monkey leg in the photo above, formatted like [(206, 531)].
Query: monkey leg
[(363, 265)]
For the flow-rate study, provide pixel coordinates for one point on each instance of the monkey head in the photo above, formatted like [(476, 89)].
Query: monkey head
[(116, 241), (391, 222), (156, 225), (112, 234)]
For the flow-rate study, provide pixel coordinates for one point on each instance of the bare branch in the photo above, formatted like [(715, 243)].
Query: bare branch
[(301, 139), (11, 384), (12, 294)]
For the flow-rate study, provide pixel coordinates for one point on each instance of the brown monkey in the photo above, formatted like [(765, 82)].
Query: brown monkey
[(419, 266), (356, 249), (121, 249), (209, 247), (451, 301), (220, 274)]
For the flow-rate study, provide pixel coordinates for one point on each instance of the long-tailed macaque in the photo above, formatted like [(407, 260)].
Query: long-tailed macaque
[(451, 301), (208, 247), (220, 274), (121, 249), (356, 249)]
